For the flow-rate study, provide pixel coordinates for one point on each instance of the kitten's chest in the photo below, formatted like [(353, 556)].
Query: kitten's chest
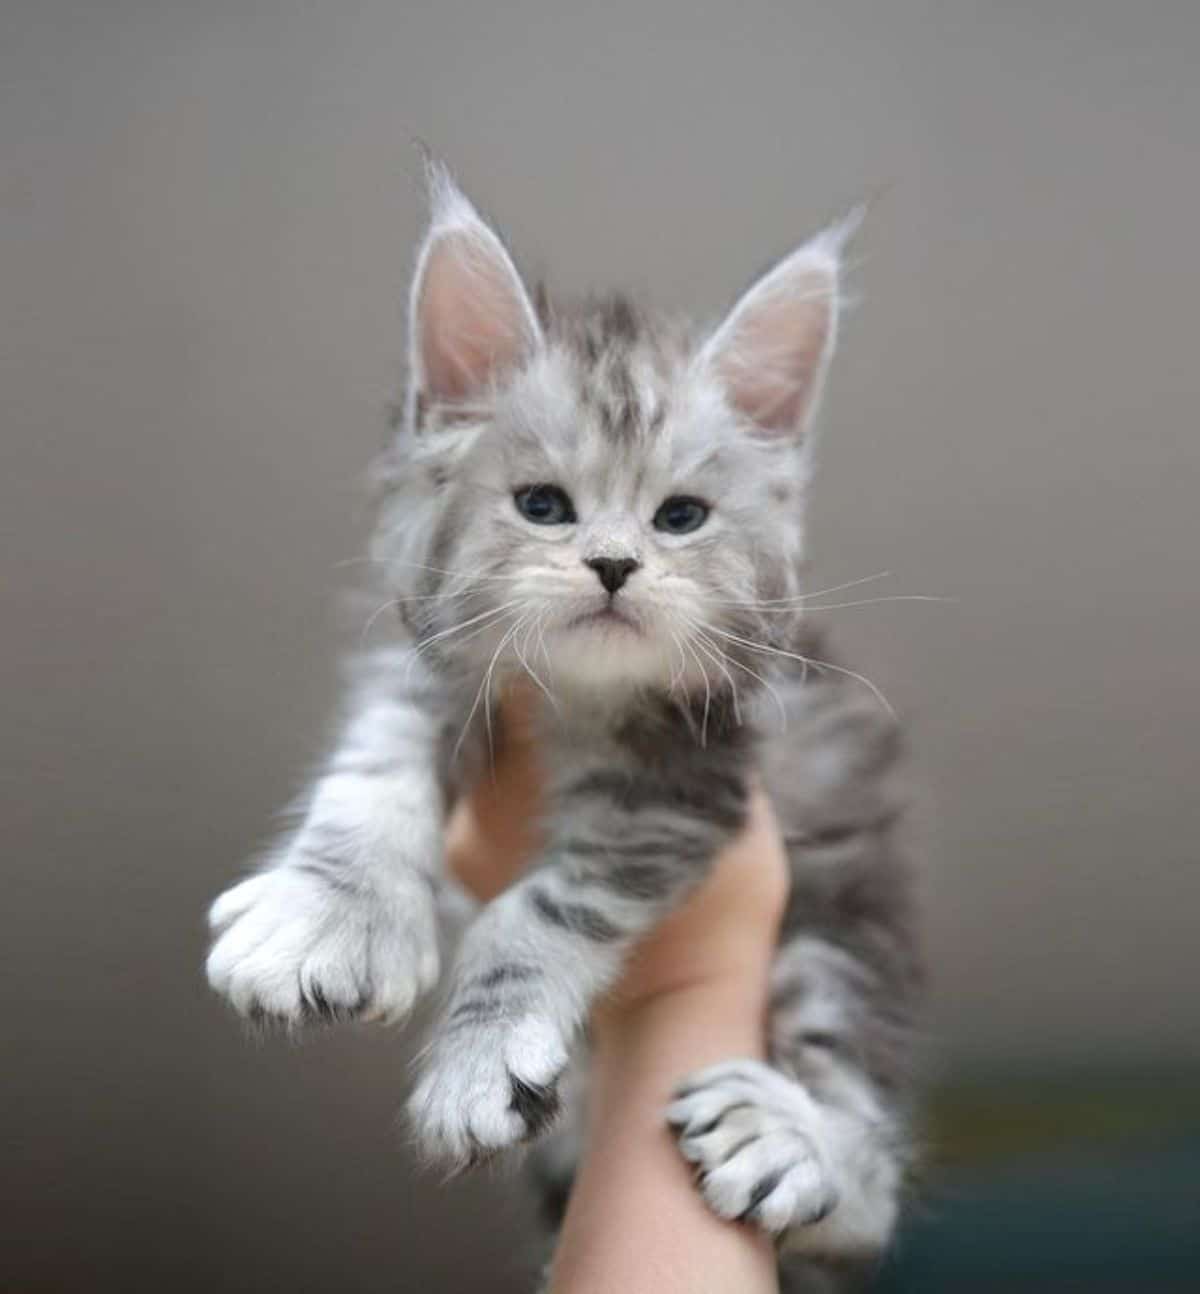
[(525, 726)]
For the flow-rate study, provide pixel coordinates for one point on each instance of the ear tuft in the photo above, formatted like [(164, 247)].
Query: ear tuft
[(772, 351), (470, 319), (448, 204), (836, 237)]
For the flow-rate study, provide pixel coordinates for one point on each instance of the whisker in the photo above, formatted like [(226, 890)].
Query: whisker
[(519, 648), (699, 628), (487, 688), (479, 695), (677, 675), (840, 606), (436, 570), (445, 595), (816, 593), (483, 615), (372, 618), (806, 661), (876, 691), (707, 693), (774, 694), (708, 647), (497, 615), (541, 633)]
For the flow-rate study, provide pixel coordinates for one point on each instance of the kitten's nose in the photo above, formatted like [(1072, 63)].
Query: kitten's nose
[(612, 572)]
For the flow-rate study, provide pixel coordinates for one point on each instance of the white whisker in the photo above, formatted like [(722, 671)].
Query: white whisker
[(519, 647), (699, 628), (471, 576), (707, 692), (541, 633), (806, 661), (677, 675), (462, 736), (488, 619), (716, 655), (487, 690), (840, 606), (387, 606), (773, 693), (816, 593), (483, 615)]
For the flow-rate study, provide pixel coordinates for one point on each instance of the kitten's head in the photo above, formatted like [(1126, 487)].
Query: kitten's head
[(592, 496)]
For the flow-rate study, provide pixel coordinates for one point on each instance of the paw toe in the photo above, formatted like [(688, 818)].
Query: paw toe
[(486, 1089), (535, 1104), (775, 1185), (331, 990), (746, 1130), (460, 1129), (235, 901), (294, 949)]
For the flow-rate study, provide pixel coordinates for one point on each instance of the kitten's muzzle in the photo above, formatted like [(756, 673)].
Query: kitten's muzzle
[(609, 616)]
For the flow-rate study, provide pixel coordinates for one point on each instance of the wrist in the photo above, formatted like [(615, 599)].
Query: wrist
[(657, 1039)]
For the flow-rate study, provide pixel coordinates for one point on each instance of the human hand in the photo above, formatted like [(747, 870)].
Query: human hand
[(693, 993)]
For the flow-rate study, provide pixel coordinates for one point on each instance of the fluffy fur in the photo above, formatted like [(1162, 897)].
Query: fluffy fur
[(670, 681)]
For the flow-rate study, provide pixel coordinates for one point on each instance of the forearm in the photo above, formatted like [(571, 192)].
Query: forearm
[(692, 995), (635, 1223)]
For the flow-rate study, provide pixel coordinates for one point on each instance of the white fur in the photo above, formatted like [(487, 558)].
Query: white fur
[(745, 1127), (283, 938), (360, 937), (462, 1106)]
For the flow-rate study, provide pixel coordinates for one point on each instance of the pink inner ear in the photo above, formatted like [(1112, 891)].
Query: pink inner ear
[(771, 354), (472, 319)]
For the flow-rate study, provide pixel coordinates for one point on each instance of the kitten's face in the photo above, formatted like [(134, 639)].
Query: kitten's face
[(591, 498), (610, 523)]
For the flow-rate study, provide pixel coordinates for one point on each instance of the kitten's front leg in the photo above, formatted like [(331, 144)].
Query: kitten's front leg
[(625, 848), (341, 922)]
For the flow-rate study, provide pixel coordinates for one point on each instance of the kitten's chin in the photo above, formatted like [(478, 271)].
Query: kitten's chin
[(608, 648)]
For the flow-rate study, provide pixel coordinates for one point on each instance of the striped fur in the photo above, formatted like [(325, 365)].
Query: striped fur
[(664, 698)]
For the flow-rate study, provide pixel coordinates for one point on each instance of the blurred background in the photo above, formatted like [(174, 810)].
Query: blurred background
[(209, 211)]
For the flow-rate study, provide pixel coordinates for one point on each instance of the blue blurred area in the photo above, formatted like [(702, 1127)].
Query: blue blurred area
[(1110, 1201)]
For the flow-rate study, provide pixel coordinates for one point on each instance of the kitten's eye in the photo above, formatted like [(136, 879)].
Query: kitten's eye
[(679, 514), (545, 505)]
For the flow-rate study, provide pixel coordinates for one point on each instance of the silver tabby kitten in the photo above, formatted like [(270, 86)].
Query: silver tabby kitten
[(611, 507)]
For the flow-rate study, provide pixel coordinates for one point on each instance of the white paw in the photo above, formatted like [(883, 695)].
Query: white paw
[(294, 945), (756, 1140), (487, 1086)]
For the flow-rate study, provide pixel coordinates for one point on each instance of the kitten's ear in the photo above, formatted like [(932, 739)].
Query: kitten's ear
[(774, 347), (470, 319)]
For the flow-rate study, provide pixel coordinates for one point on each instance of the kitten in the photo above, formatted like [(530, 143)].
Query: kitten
[(612, 507)]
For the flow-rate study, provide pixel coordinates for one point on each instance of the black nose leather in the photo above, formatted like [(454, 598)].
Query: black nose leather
[(612, 571)]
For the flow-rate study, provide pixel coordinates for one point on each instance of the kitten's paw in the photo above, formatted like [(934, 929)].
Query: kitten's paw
[(296, 945), (487, 1086), (755, 1138)]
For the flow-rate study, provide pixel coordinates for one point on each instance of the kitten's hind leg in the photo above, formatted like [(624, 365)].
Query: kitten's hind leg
[(812, 1147)]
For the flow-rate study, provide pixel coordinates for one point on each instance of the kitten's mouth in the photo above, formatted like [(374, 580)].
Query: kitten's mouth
[(605, 617)]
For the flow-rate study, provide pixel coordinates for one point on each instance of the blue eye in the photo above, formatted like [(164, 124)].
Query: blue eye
[(545, 505), (681, 514)]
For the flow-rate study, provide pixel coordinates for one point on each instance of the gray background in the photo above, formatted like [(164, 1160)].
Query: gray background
[(209, 211)]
